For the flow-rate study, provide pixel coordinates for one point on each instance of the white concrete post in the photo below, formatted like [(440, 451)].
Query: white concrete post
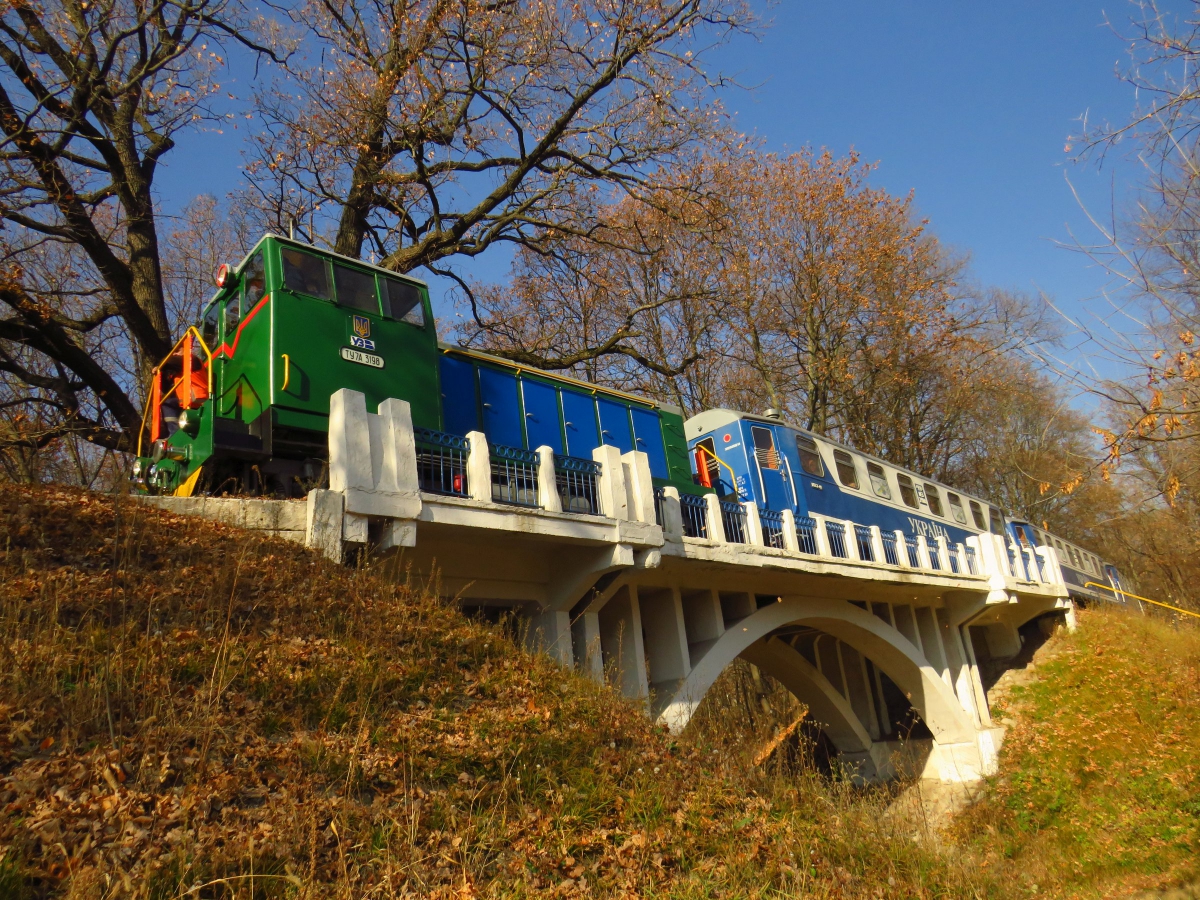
[(791, 542), (585, 640), (850, 539), (963, 568), (399, 463), (550, 633), (754, 532), (614, 495), (923, 552), (902, 559), (672, 515), (943, 547), (639, 485), (666, 645), (479, 467), (548, 481), (877, 545), (821, 535), (1050, 565), (349, 442), (324, 528), (716, 525)]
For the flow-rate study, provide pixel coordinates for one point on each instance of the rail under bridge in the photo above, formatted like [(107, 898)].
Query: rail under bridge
[(657, 593)]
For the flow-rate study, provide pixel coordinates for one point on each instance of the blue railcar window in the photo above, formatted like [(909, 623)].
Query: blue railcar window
[(934, 498), (810, 457), (879, 482), (956, 508), (907, 491), (647, 430), (306, 274), (460, 412), (977, 515), (355, 289), (402, 301), (614, 424), (847, 473), (579, 421), (501, 408), (541, 416)]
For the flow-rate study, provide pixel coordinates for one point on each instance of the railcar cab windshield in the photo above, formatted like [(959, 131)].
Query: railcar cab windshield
[(350, 287)]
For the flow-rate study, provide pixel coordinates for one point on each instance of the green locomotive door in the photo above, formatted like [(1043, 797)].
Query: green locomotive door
[(338, 325)]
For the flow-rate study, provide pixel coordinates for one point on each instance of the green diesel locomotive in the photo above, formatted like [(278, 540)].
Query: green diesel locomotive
[(242, 401)]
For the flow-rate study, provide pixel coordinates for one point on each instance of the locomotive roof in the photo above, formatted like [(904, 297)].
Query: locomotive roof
[(312, 248)]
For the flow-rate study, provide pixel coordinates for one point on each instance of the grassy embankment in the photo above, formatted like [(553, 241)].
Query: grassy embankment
[(183, 705)]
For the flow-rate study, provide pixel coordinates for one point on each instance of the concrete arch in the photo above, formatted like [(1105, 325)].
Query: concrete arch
[(881, 643), (827, 707)]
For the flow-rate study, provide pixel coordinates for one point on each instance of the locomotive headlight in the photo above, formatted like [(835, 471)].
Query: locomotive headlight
[(189, 422)]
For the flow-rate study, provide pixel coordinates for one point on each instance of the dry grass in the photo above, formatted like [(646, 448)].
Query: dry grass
[(191, 711)]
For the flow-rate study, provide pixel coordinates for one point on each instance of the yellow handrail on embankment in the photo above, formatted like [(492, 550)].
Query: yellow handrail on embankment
[(1106, 587)]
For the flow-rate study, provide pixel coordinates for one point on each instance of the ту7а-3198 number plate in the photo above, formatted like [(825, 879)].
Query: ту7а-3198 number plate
[(364, 359)]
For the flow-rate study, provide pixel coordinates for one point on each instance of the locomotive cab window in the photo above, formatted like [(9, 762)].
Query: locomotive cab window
[(233, 315), (210, 325), (879, 481), (306, 274), (764, 448), (402, 301), (956, 508), (907, 492), (977, 515), (934, 498), (254, 281), (355, 289), (810, 458), (847, 474)]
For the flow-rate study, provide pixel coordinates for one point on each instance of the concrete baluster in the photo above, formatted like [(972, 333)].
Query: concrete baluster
[(479, 467), (716, 525), (548, 496), (614, 494), (821, 535), (791, 542), (943, 547), (902, 550), (877, 545), (639, 486), (923, 552), (672, 524), (754, 532)]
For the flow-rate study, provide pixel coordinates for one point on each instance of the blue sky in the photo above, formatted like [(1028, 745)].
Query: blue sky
[(966, 104)]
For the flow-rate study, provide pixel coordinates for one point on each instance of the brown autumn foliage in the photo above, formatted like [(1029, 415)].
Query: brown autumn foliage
[(793, 284), (190, 708)]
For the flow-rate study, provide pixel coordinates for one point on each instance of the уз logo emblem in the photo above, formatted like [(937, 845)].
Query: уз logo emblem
[(362, 326)]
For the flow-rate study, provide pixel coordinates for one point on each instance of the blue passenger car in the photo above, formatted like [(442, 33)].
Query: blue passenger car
[(778, 467), (1086, 576)]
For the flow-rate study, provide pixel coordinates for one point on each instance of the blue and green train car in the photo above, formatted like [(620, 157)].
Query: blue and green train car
[(242, 402)]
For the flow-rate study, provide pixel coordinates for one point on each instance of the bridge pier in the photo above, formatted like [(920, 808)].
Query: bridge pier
[(617, 591)]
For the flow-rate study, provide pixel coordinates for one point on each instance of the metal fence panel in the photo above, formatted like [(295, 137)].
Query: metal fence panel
[(836, 532), (514, 476), (733, 517), (442, 462), (695, 515), (576, 480), (866, 549), (772, 528)]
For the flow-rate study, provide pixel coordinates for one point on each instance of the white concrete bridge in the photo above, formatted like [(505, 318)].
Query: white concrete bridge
[(658, 594)]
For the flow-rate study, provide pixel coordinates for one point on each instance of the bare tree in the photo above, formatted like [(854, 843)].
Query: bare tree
[(92, 96), (428, 129)]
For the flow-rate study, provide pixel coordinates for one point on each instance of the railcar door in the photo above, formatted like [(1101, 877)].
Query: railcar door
[(772, 474), (614, 424), (648, 437), (501, 408), (579, 423), (541, 415)]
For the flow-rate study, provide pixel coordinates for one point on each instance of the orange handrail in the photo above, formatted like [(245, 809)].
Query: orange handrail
[(157, 396)]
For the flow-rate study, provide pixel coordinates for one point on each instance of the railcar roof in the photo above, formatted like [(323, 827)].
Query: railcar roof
[(556, 376), (711, 419)]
